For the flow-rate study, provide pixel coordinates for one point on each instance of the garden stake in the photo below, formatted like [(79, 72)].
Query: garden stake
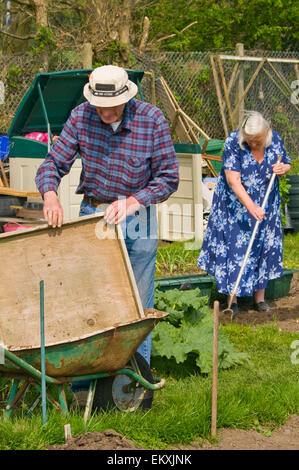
[(42, 352), (215, 370), (67, 432), (228, 310)]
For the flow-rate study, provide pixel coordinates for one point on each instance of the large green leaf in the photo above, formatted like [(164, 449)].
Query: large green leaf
[(188, 331)]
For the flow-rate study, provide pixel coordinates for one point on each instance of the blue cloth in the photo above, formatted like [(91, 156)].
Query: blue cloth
[(230, 224), (141, 238)]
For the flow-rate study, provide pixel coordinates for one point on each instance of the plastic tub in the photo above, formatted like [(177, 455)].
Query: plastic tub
[(12, 226), (280, 287), (202, 281), (4, 146)]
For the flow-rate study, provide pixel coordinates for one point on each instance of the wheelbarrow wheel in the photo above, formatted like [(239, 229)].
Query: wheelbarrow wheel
[(111, 392)]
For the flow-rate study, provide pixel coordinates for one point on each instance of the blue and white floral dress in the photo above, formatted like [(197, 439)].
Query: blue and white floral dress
[(230, 224)]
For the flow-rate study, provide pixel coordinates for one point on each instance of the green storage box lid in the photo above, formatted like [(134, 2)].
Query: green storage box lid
[(187, 148), (22, 147), (214, 146), (62, 91)]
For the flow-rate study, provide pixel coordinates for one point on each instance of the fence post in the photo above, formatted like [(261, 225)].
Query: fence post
[(240, 86), (87, 55)]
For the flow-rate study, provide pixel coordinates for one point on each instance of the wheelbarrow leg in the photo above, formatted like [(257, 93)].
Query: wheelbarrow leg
[(15, 395), (89, 402), (60, 407), (62, 399)]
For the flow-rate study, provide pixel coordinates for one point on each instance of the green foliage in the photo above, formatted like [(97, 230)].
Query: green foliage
[(284, 187), (187, 333), (13, 77), (259, 24), (44, 41), (295, 167), (177, 257), (290, 250)]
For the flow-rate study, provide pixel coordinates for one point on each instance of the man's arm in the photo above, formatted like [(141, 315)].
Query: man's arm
[(57, 163)]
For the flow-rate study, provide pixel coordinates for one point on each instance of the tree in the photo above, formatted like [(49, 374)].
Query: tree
[(259, 24), (114, 26)]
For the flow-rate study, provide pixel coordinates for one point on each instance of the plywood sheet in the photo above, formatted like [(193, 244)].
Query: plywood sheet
[(88, 284)]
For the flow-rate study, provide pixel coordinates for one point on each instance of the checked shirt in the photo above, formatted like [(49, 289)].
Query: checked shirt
[(138, 159)]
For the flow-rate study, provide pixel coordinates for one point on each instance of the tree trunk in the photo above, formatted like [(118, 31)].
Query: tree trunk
[(41, 19), (124, 30), (41, 13)]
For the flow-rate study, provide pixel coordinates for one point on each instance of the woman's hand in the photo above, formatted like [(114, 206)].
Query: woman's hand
[(257, 212), (281, 168), (53, 211)]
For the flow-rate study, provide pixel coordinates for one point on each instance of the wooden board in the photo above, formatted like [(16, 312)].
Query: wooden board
[(88, 284), (18, 192)]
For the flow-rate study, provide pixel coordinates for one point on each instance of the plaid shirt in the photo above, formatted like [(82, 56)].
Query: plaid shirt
[(137, 160)]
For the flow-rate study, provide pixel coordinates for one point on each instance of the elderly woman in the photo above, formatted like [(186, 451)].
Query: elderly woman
[(249, 157)]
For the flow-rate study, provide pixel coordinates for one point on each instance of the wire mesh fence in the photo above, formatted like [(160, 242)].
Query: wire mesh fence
[(190, 77), (17, 74), (192, 82)]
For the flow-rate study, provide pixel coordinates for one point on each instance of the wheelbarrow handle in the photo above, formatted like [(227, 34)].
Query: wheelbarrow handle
[(234, 292)]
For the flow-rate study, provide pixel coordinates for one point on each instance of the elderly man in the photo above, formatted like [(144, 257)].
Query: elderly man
[(128, 165)]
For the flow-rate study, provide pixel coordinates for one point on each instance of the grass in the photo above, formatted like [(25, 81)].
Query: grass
[(179, 258), (291, 249), (263, 393)]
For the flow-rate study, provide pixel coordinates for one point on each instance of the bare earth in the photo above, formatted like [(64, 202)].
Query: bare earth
[(285, 316)]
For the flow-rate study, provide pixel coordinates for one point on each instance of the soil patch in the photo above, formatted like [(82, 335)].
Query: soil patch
[(284, 314), (285, 438)]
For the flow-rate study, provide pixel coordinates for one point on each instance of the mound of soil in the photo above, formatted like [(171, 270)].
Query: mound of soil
[(106, 440)]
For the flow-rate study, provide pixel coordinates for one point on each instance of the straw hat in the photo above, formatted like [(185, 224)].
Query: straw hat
[(109, 86)]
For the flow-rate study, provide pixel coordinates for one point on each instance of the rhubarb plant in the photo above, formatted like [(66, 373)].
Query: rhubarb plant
[(188, 331)]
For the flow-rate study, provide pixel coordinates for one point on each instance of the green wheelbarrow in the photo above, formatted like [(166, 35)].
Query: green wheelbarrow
[(70, 311)]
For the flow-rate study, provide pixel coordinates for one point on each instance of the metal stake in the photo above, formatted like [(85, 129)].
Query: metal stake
[(42, 352), (215, 370)]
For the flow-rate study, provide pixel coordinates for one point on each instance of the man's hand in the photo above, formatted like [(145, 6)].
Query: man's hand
[(53, 211), (120, 209)]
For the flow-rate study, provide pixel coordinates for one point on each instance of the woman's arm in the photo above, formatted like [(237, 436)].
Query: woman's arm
[(233, 179)]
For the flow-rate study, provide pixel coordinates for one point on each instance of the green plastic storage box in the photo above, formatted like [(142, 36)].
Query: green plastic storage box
[(202, 281)]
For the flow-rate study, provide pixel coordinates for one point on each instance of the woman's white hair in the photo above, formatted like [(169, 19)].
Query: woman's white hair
[(254, 123)]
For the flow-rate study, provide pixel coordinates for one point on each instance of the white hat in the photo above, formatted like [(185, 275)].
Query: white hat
[(109, 86)]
